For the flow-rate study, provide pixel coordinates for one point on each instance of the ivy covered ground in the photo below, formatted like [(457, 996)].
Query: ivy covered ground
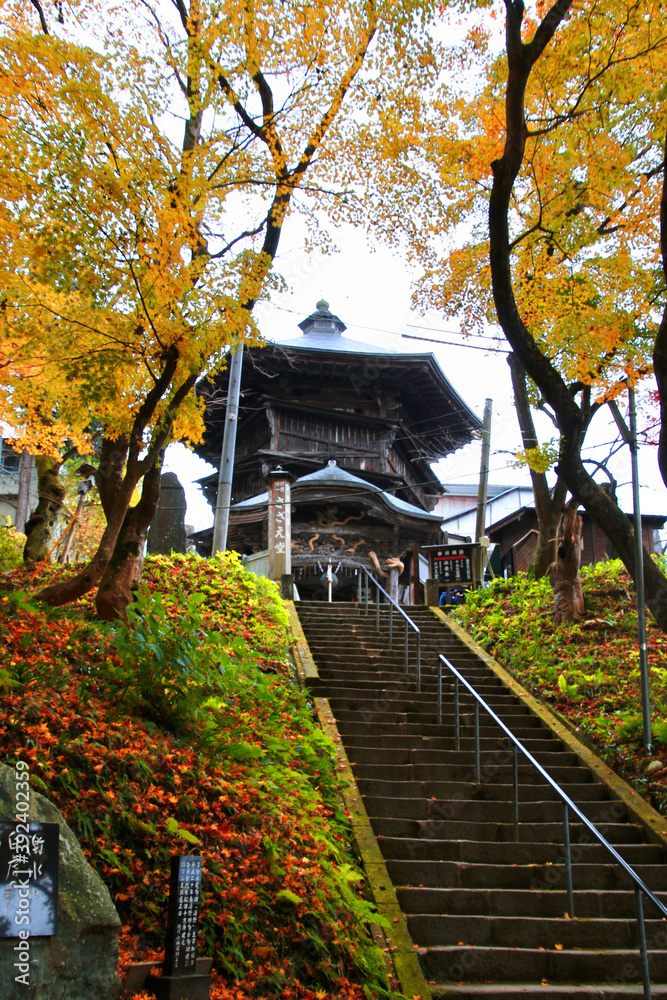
[(588, 670), (184, 732)]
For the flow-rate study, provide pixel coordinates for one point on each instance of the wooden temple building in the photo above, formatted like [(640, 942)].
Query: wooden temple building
[(354, 428)]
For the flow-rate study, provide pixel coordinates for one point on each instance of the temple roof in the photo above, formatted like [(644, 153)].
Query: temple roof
[(333, 475), (322, 370), (322, 331)]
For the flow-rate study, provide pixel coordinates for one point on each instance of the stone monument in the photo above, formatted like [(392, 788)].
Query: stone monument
[(181, 979), (71, 954), (167, 532)]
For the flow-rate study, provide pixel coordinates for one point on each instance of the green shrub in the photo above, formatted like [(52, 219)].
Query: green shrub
[(170, 664), (12, 543)]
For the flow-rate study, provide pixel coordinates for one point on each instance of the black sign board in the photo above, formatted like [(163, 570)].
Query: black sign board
[(28, 878), (180, 953), (452, 564)]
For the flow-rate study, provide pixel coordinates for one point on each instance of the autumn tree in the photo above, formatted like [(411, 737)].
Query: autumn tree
[(150, 174), (571, 386), (538, 176)]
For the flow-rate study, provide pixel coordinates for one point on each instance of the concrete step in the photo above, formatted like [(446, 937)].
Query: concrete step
[(445, 822), (353, 726), (487, 687), (391, 741), (486, 852), (479, 811), (486, 964), (543, 991), (492, 791), (428, 930), (397, 713), (589, 904), (433, 758), (389, 700), (454, 874)]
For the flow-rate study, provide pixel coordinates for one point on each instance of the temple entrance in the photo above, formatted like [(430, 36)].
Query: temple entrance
[(311, 582)]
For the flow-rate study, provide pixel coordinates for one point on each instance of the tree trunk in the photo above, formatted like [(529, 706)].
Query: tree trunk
[(564, 570), (548, 507), (115, 495), (124, 569), (40, 526), (660, 347), (120, 470)]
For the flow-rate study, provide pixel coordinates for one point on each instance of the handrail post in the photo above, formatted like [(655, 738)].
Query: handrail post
[(368, 591), (405, 650), (419, 662), (457, 722), (377, 609), (516, 793), (391, 625), (568, 859), (359, 586), (478, 772), (439, 692), (641, 930)]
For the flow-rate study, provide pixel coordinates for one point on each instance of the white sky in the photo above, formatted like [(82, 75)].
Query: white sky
[(370, 291)]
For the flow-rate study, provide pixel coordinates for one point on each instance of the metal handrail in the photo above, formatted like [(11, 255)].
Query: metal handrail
[(568, 805), (408, 621)]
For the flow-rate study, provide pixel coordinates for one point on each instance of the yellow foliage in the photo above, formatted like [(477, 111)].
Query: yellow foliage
[(538, 459), (585, 210), (147, 173)]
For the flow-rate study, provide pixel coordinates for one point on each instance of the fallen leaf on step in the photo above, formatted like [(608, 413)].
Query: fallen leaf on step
[(558, 947)]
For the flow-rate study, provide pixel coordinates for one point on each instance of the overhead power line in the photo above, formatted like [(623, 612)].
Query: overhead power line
[(451, 343), (411, 326)]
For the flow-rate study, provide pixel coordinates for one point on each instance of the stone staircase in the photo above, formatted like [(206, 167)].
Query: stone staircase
[(488, 914)]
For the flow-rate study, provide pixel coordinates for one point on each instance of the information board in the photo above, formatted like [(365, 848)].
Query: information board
[(28, 878), (452, 564)]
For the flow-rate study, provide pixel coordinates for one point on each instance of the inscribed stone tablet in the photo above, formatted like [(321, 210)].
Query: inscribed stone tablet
[(183, 915)]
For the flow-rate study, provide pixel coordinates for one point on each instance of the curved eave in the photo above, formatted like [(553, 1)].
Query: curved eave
[(345, 488)]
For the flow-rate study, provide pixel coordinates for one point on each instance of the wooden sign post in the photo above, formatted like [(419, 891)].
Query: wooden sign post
[(452, 568)]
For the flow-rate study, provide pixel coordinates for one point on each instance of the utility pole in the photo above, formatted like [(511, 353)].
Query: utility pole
[(224, 497), (630, 438), (23, 497), (481, 493)]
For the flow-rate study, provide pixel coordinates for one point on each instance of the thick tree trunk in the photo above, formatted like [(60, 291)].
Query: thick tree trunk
[(89, 576), (660, 347), (564, 570), (548, 506), (618, 528), (124, 569), (41, 525), (115, 495), (119, 472)]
